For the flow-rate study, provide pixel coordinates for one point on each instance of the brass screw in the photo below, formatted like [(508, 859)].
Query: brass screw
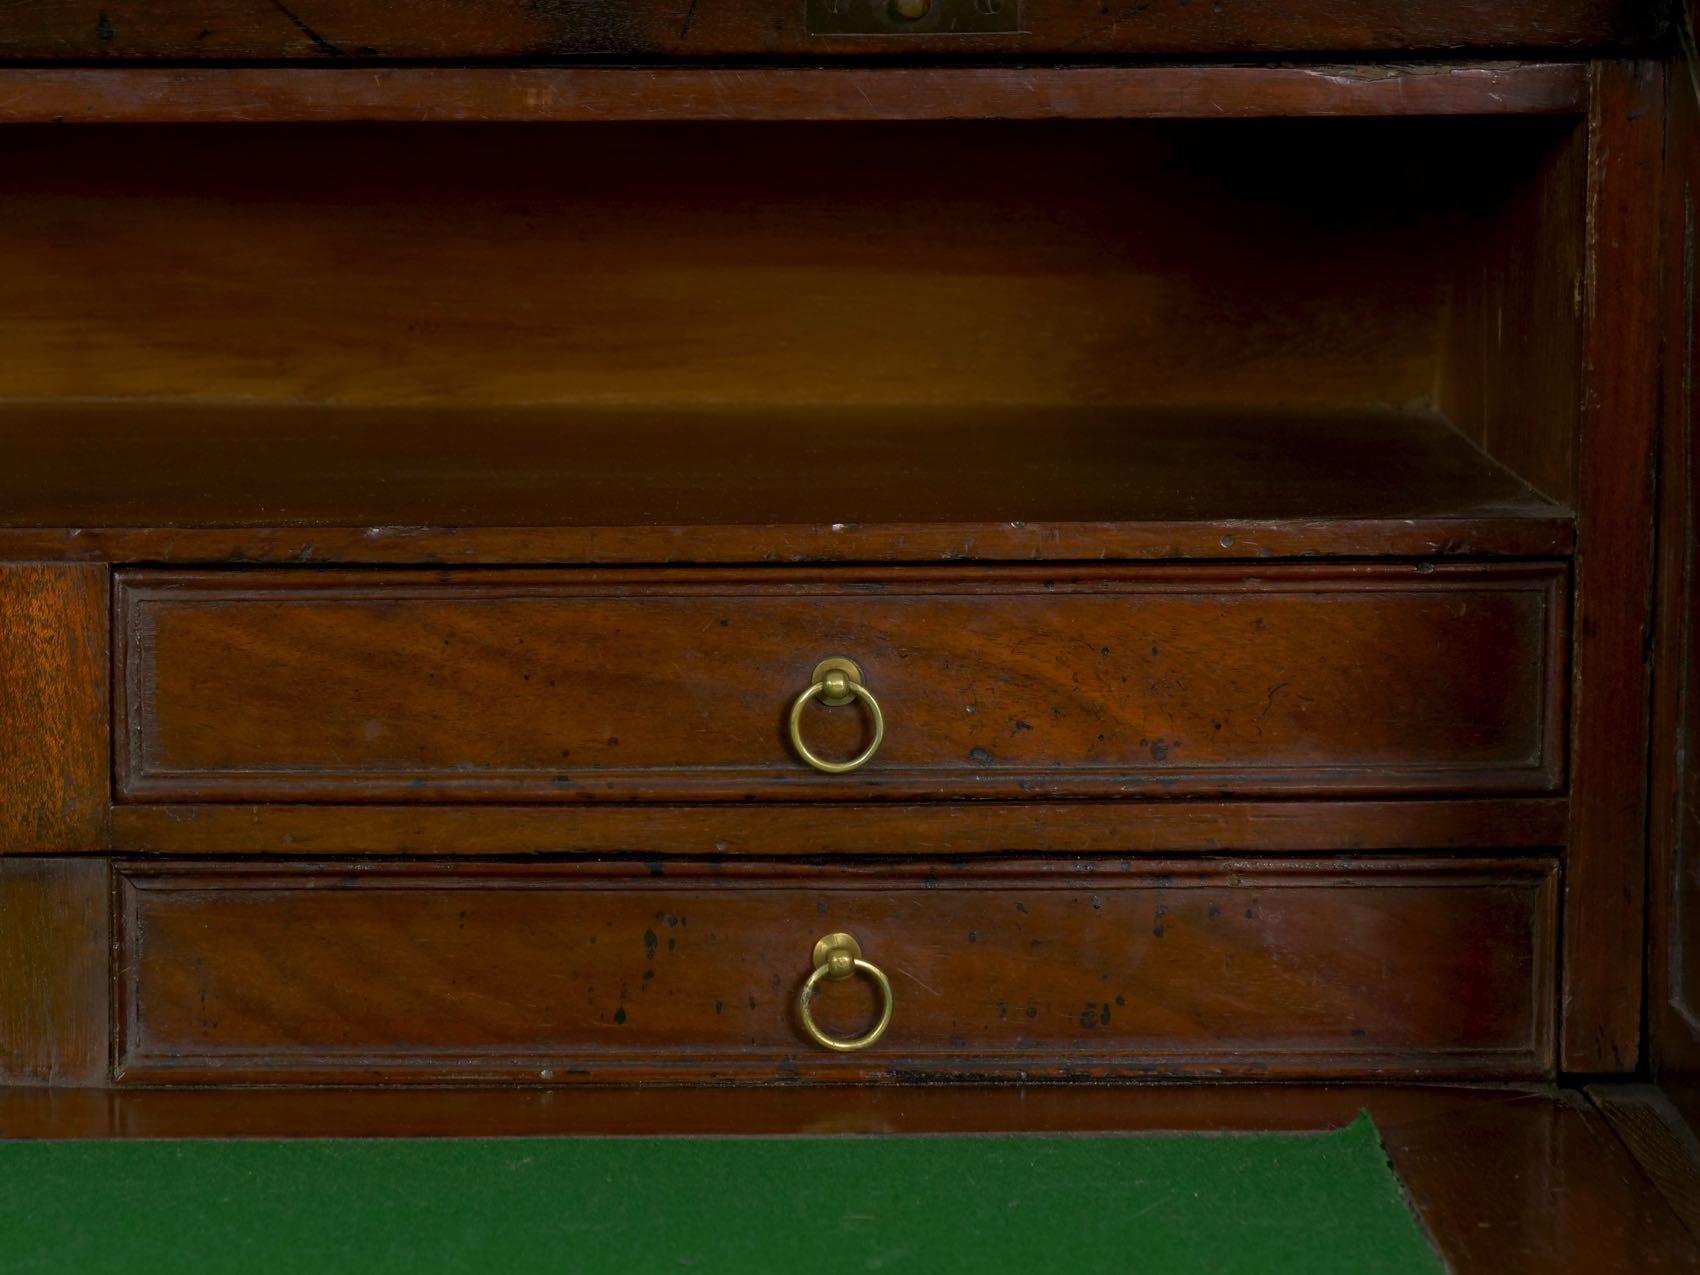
[(911, 9)]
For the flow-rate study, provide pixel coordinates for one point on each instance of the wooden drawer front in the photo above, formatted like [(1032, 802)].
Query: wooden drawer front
[(354, 971), (306, 685)]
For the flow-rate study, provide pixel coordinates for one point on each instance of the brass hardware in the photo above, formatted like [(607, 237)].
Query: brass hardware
[(837, 957), (836, 694), (836, 682), (909, 10)]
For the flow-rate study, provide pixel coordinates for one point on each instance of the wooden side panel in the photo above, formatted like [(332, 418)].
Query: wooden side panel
[(1674, 908), (1605, 873), (55, 773), (1007, 682), (54, 952), (1511, 380), (373, 973), (366, 29)]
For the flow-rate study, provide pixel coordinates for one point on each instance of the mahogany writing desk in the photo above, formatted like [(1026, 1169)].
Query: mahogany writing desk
[(809, 543)]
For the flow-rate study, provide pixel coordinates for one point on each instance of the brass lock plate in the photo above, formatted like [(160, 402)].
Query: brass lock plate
[(912, 17)]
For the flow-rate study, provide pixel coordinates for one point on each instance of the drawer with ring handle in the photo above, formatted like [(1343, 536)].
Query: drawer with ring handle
[(837, 682), (785, 684), (393, 972), (838, 957)]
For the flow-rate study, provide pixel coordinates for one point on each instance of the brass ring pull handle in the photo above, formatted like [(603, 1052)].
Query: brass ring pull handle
[(836, 682), (837, 957)]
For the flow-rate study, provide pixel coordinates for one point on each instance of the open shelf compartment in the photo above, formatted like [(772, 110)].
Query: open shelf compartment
[(679, 342)]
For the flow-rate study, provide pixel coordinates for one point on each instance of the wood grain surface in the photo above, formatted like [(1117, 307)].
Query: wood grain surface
[(1002, 682), (55, 775), (361, 971), (55, 955)]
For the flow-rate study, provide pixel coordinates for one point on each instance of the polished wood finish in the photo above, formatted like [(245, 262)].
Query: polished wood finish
[(1477, 1178), (54, 954), (55, 774), (358, 971), (998, 683), (1503, 1179), (619, 94), (360, 30), (1605, 872), (205, 482), (1509, 824)]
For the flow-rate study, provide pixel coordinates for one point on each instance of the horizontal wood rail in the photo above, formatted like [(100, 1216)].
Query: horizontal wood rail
[(136, 95)]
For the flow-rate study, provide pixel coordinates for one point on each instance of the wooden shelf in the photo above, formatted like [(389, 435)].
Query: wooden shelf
[(629, 485), (563, 94)]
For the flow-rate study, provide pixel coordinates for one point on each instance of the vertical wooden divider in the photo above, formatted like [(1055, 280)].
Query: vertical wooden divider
[(55, 807), (55, 768), (1605, 874)]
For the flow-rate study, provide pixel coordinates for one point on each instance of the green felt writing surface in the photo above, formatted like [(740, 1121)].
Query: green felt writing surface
[(1220, 1203)]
